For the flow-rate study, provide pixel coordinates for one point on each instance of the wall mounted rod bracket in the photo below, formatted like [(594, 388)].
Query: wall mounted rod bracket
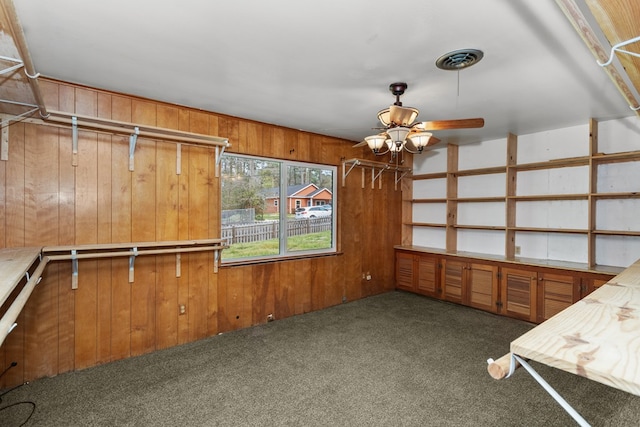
[(617, 48), (133, 139), (74, 141)]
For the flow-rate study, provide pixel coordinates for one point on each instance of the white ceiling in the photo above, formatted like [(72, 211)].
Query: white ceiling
[(326, 66)]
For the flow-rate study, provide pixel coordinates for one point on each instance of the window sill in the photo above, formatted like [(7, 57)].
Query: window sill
[(225, 264)]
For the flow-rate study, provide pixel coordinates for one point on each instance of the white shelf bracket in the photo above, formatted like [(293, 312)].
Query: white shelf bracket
[(4, 138), (74, 141), (133, 138), (74, 269), (131, 263), (375, 176), (398, 179), (18, 64), (345, 172), (219, 153), (216, 259), (178, 159), (617, 48)]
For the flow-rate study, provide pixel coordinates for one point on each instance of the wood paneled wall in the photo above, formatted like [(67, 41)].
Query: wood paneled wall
[(44, 200)]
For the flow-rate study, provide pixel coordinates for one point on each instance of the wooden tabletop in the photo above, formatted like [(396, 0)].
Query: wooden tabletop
[(598, 337), (14, 263)]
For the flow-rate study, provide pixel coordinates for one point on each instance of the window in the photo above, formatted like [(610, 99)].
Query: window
[(262, 213)]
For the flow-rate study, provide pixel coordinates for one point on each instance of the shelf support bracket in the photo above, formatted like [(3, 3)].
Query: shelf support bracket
[(18, 64), (74, 269), (375, 176), (131, 262), (219, 153), (74, 141), (345, 172), (133, 139), (617, 48), (398, 179), (178, 158)]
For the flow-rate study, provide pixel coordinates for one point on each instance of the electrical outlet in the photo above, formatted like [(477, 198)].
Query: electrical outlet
[(517, 251), (368, 276), (182, 309)]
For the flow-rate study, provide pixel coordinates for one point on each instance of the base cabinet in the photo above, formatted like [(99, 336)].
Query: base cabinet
[(518, 293), (418, 273), (428, 281), (471, 283), (529, 293), (555, 293), (405, 271)]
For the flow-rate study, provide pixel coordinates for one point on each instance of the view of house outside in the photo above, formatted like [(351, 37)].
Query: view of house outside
[(273, 208)]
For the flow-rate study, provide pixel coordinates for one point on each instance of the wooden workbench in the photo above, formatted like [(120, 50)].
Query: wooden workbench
[(598, 337), (14, 263)]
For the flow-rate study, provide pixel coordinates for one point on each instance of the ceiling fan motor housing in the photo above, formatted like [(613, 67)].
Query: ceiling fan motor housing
[(398, 89)]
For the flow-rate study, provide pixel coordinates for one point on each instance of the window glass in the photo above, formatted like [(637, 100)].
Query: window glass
[(273, 208)]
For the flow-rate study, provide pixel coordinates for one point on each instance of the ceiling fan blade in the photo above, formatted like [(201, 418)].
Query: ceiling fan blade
[(360, 144), (451, 124)]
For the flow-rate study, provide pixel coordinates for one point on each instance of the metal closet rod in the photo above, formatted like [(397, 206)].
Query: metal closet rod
[(114, 126)]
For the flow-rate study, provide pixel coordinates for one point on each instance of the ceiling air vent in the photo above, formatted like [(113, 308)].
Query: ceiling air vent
[(459, 59)]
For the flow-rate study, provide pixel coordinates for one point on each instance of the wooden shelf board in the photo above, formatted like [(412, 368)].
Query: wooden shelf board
[(478, 199), (434, 175), (555, 163), (480, 227), (543, 197), (631, 195), (429, 200), (550, 230), (627, 156), (616, 232), (426, 224), (480, 171)]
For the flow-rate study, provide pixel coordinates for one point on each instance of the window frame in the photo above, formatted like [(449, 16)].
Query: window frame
[(282, 204)]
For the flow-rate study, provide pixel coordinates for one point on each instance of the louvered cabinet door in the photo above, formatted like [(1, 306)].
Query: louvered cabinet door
[(453, 280), (518, 293), (428, 276), (483, 286), (555, 293), (405, 277)]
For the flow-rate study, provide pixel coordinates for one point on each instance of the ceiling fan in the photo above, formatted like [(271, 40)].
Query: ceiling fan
[(402, 132)]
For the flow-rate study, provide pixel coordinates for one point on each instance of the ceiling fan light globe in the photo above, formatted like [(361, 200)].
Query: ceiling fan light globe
[(385, 117), (375, 142), (398, 134), (402, 116), (420, 139)]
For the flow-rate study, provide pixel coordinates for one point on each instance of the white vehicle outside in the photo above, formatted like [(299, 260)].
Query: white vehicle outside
[(313, 212)]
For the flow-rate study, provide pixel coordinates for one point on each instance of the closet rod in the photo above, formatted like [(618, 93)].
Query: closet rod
[(114, 126)]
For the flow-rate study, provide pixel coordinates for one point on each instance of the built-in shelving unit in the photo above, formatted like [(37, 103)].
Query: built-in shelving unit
[(577, 201)]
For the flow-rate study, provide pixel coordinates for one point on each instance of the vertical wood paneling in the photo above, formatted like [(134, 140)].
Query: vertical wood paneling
[(184, 123), (14, 344), (285, 291), (166, 213), (302, 286), (143, 224), (86, 211), (120, 232), (41, 212), (264, 278), (48, 201), (200, 179), (66, 236)]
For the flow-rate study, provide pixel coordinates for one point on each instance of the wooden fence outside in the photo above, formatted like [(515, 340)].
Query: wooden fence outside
[(266, 230)]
